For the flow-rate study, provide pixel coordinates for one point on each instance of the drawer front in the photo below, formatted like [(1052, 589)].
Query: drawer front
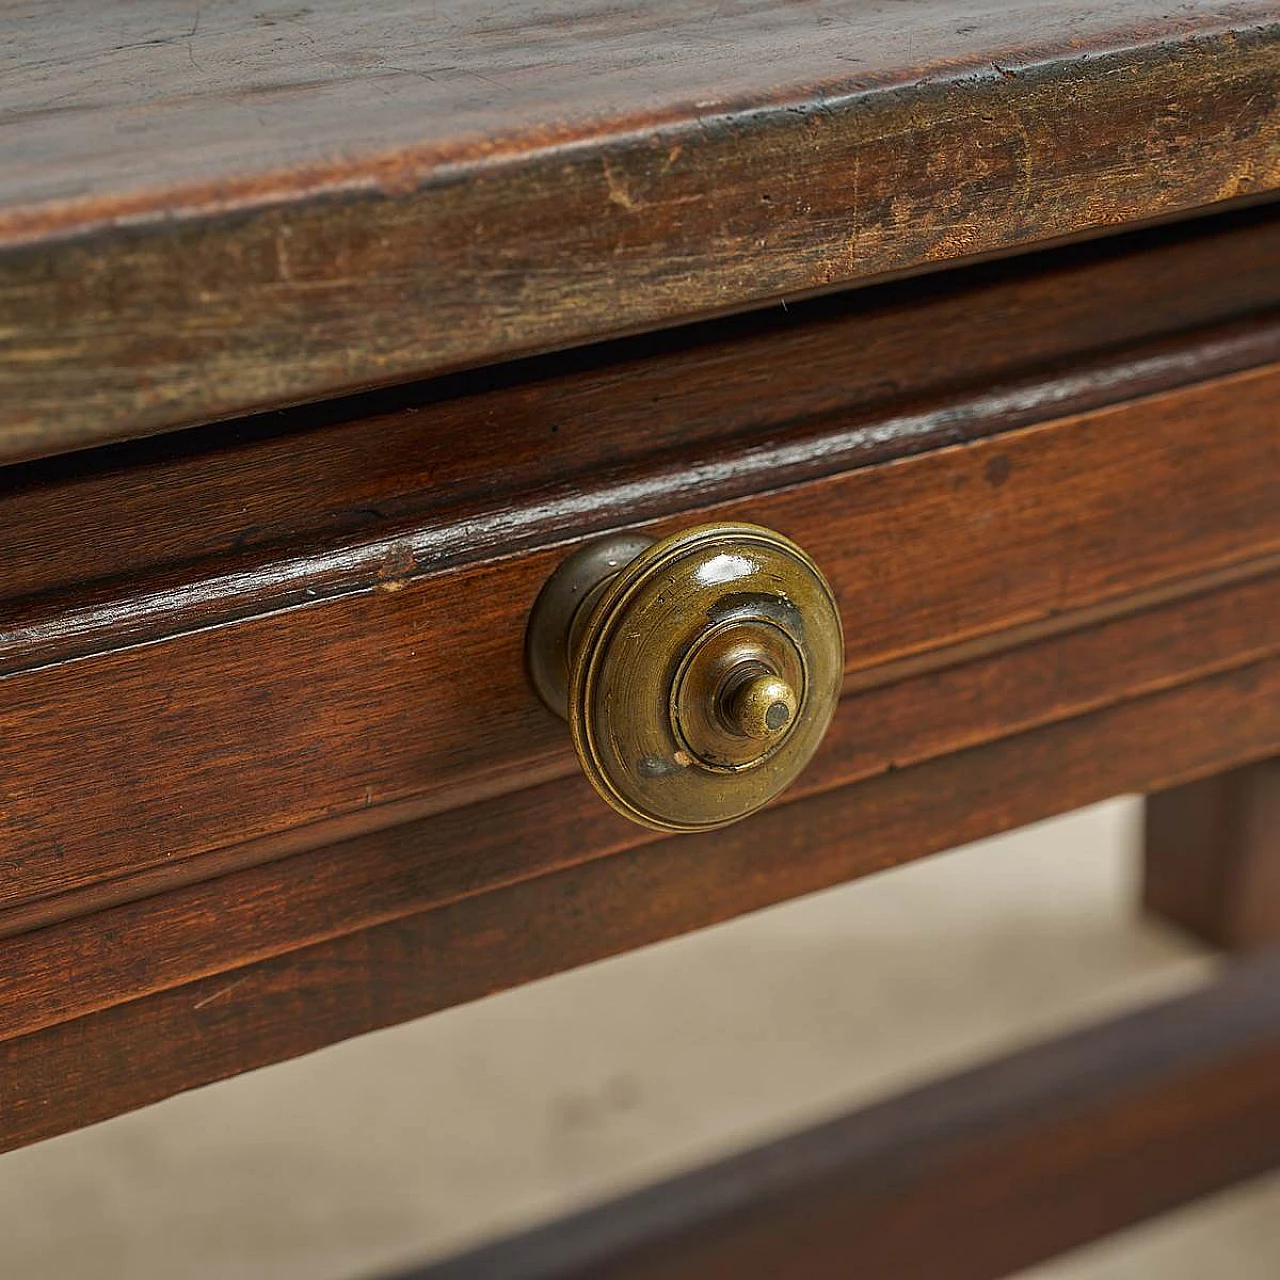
[(412, 697), (227, 648), (273, 772)]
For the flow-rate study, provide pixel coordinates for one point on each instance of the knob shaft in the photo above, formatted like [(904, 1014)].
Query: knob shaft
[(761, 705)]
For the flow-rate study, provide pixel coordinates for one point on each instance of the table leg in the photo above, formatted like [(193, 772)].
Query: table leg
[(1212, 857)]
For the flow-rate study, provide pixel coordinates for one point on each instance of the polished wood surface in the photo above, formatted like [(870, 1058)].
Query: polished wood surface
[(274, 773), (151, 941), (301, 584), (1212, 862), (1024, 529), (538, 882), (292, 438), (464, 468), (968, 1178), (210, 209)]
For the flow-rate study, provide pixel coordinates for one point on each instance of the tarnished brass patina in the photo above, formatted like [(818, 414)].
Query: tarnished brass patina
[(698, 673)]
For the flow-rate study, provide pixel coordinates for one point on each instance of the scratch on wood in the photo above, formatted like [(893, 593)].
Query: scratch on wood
[(618, 193), (218, 995), (284, 270)]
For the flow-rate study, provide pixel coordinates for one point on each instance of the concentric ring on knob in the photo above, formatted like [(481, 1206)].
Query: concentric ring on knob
[(710, 669)]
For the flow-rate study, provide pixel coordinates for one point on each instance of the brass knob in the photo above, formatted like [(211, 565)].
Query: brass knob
[(698, 673)]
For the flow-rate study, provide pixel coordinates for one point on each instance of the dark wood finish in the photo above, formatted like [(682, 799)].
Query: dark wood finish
[(129, 1054), (303, 505), (969, 1178), (1213, 857), (206, 212), (271, 770), (153, 940), (183, 737)]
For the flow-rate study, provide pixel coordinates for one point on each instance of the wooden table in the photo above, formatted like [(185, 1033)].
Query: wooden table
[(327, 333)]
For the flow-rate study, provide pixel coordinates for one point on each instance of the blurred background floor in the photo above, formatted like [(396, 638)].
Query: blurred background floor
[(419, 1140)]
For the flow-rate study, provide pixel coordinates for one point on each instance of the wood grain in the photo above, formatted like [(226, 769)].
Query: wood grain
[(137, 1052), (966, 1178), (436, 529), (1212, 857), (206, 212), (182, 738), (625, 430), (128, 939)]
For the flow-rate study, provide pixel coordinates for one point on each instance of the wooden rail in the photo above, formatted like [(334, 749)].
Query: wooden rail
[(965, 1179)]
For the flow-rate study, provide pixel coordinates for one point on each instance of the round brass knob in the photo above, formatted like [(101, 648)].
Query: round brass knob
[(698, 673)]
